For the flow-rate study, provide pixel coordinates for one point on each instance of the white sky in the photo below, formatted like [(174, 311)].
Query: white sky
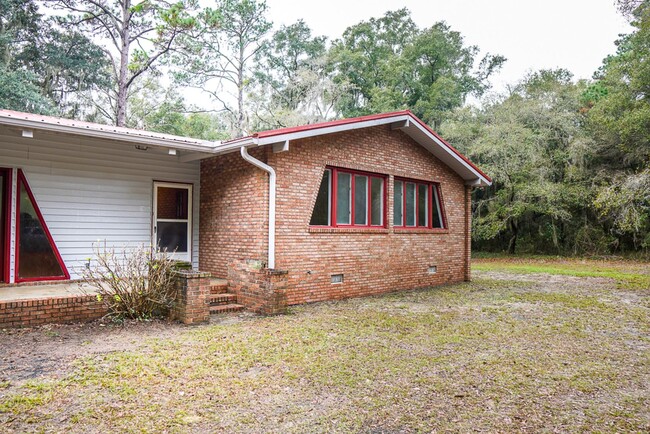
[(532, 34)]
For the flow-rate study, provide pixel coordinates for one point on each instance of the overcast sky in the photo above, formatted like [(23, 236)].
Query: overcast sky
[(532, 34)]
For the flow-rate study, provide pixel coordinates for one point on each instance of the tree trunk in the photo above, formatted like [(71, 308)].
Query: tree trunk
[(512, 245), (122, 79), (240, 92)]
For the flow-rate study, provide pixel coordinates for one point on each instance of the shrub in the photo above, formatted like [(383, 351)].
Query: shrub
[(133, 283)]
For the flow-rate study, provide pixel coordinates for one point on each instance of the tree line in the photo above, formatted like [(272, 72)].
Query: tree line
[(570, 158)]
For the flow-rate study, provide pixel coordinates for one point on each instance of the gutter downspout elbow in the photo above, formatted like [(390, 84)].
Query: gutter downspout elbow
[(257, 163)]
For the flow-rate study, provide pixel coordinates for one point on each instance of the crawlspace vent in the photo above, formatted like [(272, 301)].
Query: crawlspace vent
[(337, 278)]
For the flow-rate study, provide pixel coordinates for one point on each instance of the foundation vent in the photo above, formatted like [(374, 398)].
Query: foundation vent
[(337, 278)]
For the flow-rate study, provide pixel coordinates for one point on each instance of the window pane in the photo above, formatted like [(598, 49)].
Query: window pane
[(410, 204), (377, 197), (321, 214), (360, 200), (36, 257), (172, 203), (343, 198), (437, 214), (398, 204), (172, 237), (423, 201)]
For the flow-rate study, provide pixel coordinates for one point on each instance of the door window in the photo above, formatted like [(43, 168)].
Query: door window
[(172, 226)]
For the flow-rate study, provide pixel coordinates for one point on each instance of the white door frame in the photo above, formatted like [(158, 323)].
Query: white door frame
[(180, 256)]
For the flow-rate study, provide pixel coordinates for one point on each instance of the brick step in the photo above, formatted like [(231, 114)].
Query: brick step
[(222, 308), (218, 286), (224, 298)]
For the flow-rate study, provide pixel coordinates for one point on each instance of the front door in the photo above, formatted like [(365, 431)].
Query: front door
[(172, 219)]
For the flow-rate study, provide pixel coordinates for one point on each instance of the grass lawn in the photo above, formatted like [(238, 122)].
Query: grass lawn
[(626, 274), (515, 350)]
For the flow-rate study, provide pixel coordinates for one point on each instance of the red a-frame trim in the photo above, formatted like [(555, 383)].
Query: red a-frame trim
[(66, 276), (7, 224)]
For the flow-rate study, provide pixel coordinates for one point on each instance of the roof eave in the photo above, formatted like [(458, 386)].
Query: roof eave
[(471, 174), (165, 142)]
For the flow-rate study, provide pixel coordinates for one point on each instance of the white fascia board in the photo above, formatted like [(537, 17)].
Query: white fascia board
[(225, 148), (482, 180), (165, 142), (329, 130), (376, 122)]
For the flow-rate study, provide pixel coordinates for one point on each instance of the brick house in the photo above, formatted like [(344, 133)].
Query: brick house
[(345, 208)]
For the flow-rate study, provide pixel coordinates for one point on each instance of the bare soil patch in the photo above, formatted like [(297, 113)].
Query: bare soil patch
[(50, 350)]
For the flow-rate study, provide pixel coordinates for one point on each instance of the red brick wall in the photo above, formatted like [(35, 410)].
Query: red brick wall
[(468, 233), (192, 296), (28, 313), (259, 289), (372, 261), (234, 212)]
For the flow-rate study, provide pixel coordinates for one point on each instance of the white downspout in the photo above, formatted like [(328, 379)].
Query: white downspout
[(271, 172)]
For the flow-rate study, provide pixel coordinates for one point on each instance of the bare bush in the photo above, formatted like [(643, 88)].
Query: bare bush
[(135, 282)]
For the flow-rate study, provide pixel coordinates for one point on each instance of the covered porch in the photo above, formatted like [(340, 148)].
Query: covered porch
[(38, 304)]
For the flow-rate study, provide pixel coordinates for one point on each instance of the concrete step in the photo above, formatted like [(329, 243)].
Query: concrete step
[(223, 298), (218, 286), (222, 308)]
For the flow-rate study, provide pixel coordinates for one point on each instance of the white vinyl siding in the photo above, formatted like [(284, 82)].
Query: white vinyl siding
[(95, 192)]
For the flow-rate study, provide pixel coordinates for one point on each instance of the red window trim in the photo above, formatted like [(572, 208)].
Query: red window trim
[(430, 185), (7, 224), (334, 184), (66, 275)]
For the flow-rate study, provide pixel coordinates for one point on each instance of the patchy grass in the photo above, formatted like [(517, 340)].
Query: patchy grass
[(496, 354), (628, 274)]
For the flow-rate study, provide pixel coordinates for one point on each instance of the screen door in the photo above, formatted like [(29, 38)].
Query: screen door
[(4, 208), (172, 228)]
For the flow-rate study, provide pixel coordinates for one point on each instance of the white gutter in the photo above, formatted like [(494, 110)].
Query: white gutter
[(271, 172)]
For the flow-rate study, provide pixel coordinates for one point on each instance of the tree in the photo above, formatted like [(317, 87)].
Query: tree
[(393, 65), (44, 69), (67, 65), (363, 57), (136, 37), (630, 7), (294, 82), (156, 108), (221, 54), (18, 91), (19, 22), (531, 142), (618, 111), (291, 50), (437, 70)]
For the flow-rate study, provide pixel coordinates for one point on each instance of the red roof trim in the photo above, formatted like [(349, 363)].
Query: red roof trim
[(291, 130), (271, 133)]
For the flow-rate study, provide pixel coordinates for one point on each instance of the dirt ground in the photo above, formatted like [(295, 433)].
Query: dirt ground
[(50, 350)]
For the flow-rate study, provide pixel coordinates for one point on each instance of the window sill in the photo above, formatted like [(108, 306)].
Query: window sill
[(324, 230), (420, 231)]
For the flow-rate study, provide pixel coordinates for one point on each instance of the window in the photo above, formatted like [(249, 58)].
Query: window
[(417, 205), (350, 198)]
